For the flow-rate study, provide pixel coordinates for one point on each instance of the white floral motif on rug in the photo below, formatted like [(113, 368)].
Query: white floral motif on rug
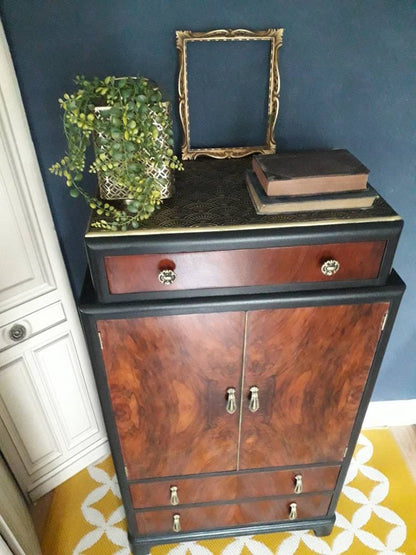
[(93, 516)]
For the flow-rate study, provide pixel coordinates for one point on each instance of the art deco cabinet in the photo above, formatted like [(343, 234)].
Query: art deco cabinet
[(235, 356)]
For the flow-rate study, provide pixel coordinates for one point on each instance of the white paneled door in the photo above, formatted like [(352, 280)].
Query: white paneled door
[(50, 420)]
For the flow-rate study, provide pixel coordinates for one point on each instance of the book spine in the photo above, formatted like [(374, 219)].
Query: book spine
[(260, 174)]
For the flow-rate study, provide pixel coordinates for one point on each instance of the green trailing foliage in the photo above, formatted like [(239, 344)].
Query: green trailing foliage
[(124, 117)]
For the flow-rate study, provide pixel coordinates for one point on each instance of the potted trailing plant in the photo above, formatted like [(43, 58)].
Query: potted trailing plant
[(129, 125)]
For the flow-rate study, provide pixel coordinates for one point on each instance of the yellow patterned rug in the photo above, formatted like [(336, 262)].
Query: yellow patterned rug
[(376, 514)]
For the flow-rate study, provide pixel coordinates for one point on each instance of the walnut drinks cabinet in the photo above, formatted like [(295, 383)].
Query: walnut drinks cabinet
[(235, 356)]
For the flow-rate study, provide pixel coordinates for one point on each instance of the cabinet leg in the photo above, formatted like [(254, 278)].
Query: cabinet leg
[(143, 549), (324, 529)]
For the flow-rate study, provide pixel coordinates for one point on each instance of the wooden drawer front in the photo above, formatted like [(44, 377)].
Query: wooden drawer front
[(222, 516), (244, 267), (236, 486), (283, 482), (192, 490)]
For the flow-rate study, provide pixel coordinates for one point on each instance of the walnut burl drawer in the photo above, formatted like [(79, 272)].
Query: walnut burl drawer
[(232, 487), (219, 516), (138, 273)]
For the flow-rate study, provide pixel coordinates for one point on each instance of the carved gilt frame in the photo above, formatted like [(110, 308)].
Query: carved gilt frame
[(183, 38)]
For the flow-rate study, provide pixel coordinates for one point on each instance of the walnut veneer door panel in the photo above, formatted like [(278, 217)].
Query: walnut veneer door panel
[(221, 516), (244, 267), (168, 378), (310, 365)]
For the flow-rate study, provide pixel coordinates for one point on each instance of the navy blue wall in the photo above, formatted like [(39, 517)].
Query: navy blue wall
[(348, 80)]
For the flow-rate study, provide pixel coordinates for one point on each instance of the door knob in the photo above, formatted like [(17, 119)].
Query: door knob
[(17, 332)]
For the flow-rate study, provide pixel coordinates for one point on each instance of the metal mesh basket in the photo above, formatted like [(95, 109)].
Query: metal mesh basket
[(109, 189)]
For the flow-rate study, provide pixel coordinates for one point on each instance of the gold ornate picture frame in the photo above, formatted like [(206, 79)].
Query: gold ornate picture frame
[(184, 41)]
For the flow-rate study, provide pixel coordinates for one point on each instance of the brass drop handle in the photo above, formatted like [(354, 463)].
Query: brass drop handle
[(293, 513), (176, 526), (231, 406), (174, 498), (166, 277), (298, 484), (254, 403), (330, 267)]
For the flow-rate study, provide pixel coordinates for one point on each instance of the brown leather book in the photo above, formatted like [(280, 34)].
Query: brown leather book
[(310, 172), (283, 204)]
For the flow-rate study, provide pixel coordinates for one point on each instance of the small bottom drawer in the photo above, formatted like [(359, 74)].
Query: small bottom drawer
[(228, 515), (234, 486)]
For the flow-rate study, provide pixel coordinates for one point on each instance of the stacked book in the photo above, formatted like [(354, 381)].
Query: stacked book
[(308, 180)]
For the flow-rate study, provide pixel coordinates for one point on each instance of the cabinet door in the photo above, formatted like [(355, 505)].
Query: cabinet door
[(47, 417), (310, 365), (50, 419), (168, 378)]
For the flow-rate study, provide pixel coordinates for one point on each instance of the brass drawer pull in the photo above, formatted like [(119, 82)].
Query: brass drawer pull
[(166, 277), (254, 404), (231, 406), (298, 484), (293, 514), (176, 526), (330, 267), (174, 498)]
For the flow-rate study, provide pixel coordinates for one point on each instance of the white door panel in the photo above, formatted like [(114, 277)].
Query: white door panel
[(50, 418), (59, 366), (25, 417), (27, 272), (46, 404)]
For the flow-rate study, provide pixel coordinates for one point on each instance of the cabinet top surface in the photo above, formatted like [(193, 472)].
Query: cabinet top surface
[(211, 195)]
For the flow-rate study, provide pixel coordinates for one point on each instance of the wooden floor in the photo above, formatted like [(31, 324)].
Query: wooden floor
[(39, 511), (405, 437)]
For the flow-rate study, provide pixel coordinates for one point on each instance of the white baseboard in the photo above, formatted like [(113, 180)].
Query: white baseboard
[(390, 413)]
